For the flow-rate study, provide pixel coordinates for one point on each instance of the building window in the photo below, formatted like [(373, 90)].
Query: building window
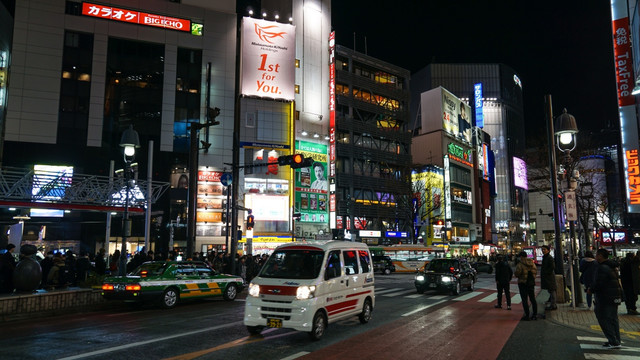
[(75, 88), (188, 85), (133, 93)]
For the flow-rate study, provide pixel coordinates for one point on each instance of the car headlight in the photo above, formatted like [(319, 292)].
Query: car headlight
[(305, 292), (419, 277), (254, 290), (445, 279)]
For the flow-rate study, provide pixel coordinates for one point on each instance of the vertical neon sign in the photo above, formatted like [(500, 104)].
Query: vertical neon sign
[(626, 102), (332, 130), (477, 95)]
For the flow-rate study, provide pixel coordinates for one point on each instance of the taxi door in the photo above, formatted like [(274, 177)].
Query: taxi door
[(337, 286), (354, 279)]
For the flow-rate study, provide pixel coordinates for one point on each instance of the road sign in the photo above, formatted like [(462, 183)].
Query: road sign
[(226, 179)]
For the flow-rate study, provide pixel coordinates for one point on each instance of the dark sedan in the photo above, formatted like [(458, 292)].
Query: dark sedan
[(446, 275), (482, 266)]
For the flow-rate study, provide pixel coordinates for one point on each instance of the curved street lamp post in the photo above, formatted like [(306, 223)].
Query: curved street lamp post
[(129, 142)]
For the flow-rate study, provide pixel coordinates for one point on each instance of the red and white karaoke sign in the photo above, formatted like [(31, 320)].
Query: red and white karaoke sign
[(136, 17)]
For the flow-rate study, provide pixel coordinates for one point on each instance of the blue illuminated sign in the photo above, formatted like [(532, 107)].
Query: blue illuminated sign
[(477, 94), (396, 234)]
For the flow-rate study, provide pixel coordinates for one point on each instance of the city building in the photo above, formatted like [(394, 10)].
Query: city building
[(500, 111), (372, 150), (80, 73)]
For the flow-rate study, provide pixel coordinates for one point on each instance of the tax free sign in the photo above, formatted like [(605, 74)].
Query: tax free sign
[(268, 59)]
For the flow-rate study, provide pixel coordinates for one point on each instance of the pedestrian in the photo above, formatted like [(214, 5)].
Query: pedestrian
[(83, 267), (503, 279), (241, 268), (46, 264), (548, 277), (588, 265), (57, 277), (219, 263), (526, 274), (7, 266), (608, 296), (114, 263), (629, 284), (70, 266), (101, 265)]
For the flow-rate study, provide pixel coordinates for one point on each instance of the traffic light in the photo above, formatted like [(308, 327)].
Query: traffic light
[(296, 161)]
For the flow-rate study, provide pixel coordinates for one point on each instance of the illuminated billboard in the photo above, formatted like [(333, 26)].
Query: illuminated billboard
[(626, 102), (268, 59), (477, 97), (441, 110), (50, 181), (520, 173), (268, 207), (311, 183), (140, 18)]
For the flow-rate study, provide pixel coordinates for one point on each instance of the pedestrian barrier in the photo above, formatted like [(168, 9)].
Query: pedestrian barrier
[(21, 306)]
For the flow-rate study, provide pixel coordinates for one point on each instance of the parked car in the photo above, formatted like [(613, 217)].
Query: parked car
[(168, 282), (446, 275), (383, 264), (482, 266)]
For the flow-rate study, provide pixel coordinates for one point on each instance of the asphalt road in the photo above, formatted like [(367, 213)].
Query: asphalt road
[(405, 325)]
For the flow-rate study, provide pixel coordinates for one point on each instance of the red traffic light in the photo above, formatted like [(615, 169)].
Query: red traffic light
[(297, 159), (439, 222)]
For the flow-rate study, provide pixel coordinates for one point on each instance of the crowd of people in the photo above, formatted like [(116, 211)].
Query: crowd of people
[(607, 282)]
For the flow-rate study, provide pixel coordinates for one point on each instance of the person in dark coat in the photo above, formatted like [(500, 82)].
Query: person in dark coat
[(101, 265), (7, 266), (608, 296), (548, 277), (83, 267), (626, 278), (503, 278), (588, 265), (46, 264)]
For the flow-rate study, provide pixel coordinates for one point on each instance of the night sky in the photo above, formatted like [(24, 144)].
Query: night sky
[(562, 47)]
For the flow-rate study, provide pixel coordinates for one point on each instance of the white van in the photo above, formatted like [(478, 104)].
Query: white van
[(307, 285)]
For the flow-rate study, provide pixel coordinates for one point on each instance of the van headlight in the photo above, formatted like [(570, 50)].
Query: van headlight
[(419, 277), (446, 279), (254, 290), (305, 292)]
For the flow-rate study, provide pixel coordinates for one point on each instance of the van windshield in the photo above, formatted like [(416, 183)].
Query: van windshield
[(293, 264)]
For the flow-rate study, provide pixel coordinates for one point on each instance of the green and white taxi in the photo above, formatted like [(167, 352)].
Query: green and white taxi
[(169, 282)]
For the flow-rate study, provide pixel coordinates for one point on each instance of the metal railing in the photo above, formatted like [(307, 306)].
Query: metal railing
[(62, 187)]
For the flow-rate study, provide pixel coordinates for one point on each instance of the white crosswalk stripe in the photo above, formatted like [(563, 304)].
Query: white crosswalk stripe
[(468, 296), (592, 347), (490, 298), (400, 293), (384, 291)]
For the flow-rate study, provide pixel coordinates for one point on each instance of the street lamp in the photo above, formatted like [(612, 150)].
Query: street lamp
[(565, 131), (129, 142)]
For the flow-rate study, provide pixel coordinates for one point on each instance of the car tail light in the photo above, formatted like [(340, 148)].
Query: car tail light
[(144, 273), (134, 287), (452, 269), (107, 286)]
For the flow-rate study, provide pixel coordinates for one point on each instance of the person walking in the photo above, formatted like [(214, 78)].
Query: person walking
[(548, 277), (588, 265), (7, 266), (606, 287), (628, 284), (526, 273), (503, 278)]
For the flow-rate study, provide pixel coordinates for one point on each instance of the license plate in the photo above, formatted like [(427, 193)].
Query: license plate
[(120, 287), (432, 285), (274, 323)]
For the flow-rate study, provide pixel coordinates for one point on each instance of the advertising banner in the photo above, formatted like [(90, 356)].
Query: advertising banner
[(311, 184), (137, 17), (456, 116), (268, 59), (626, 102), (520, 173)]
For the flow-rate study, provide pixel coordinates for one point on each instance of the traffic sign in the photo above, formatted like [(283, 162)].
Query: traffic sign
[(226, 179)]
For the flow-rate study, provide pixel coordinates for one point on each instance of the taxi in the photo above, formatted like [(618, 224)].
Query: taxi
[(168, 282)]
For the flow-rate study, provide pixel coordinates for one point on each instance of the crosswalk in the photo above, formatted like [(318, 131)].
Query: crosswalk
[(480, 295), (592, 347)]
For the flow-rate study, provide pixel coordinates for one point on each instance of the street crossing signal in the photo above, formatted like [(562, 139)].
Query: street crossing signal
[(296, 161)]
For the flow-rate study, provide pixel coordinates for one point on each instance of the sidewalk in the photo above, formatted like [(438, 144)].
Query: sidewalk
[(584, 319)]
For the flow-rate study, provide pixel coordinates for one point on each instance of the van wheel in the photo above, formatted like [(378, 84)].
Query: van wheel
[(387, 271), (169, 298), (254, 330), (319, 326), (365, 315), (457, 289), (230, 292)]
